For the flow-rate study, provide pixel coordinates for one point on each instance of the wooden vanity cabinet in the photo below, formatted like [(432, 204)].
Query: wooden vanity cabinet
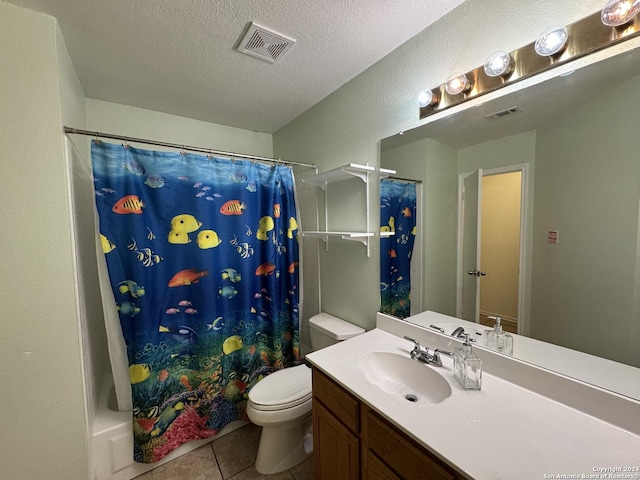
[(336, 428), (353, 442)]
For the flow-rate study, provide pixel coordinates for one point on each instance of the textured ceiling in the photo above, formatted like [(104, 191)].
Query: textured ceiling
[(179, 57)]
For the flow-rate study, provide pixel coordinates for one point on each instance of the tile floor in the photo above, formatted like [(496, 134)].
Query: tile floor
[(230, 457)]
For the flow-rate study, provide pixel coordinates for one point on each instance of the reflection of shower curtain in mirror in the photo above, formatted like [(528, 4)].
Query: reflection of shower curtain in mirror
[(203, 263), (397, 216)]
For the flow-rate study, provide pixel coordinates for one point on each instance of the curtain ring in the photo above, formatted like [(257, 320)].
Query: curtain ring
[(126, 145), (97, 140)]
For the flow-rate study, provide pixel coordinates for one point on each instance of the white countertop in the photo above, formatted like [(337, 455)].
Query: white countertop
[(501, 432)]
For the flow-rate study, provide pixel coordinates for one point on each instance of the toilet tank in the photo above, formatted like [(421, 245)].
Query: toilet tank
[(327, 330)]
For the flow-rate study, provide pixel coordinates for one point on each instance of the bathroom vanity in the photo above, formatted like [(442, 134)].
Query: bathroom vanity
[(369, 426), (350, 437)]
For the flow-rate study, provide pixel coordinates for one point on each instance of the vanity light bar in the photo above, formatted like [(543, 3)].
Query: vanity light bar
[(585, 36)]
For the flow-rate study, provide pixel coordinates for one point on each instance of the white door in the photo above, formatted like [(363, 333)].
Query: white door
[(471, 272)]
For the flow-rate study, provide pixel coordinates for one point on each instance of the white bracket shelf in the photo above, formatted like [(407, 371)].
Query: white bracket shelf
[(340, 174), (362, 237)]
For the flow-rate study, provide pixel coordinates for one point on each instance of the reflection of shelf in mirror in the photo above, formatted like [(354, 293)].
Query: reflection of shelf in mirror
[(386, 172), (387, 234), (356, 236)]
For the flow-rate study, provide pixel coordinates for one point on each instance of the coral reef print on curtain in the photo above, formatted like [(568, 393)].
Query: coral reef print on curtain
[(397, 216), (202, 255)]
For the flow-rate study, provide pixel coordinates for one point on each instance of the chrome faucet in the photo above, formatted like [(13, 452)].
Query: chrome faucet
[(458, 332), (424, 356)]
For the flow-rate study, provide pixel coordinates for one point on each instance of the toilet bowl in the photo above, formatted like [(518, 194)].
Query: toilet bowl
[(281, 402), (282, 407)]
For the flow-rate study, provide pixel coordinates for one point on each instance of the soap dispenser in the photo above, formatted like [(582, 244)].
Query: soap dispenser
[(467, 366), (498, 339)]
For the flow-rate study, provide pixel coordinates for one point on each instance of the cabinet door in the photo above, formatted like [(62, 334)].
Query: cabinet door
[(408, 460), (335, 449), (376, 470)]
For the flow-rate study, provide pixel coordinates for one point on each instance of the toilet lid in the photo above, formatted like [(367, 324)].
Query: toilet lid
[(282, 389)]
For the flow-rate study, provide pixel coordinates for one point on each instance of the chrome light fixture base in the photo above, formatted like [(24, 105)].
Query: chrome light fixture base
[(583, 37)]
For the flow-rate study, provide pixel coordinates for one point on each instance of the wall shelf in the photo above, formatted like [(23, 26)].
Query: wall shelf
[(339, 174), (345, 172), (362, 237)]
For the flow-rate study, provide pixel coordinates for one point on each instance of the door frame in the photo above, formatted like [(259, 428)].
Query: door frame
[(524, 266)]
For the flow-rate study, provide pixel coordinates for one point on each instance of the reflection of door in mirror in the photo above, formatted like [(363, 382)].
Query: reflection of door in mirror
[(398, 230), (491, 248), (471, 250)]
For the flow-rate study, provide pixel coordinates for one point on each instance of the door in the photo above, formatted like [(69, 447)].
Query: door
[(336, 450), (471, 221), (492, 226)]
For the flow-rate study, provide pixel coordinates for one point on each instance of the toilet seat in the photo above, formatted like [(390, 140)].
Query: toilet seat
[(286, 388)]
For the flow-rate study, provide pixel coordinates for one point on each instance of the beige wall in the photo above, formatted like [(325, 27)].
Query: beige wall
[(346, 126), (500, 244), (43, 404)]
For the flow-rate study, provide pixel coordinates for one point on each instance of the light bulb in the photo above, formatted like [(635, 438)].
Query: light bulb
[(618, 12), (551, 41), (427, 98), (498, 64), (457, 83)]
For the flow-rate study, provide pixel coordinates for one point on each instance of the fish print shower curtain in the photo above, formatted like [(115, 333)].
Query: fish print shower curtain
[(202, 255), (398, 216)]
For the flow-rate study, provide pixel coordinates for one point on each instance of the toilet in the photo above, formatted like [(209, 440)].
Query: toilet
[(281, 402)]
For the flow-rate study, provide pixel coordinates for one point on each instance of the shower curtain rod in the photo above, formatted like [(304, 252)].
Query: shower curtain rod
[(75, 131), (404, 179)]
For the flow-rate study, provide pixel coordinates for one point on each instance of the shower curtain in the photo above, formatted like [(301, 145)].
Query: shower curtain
[(397, 216), (202, 256)]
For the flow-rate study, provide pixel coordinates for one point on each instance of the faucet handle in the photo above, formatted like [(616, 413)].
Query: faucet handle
[(436, 356), (413, 340), (416, 350)]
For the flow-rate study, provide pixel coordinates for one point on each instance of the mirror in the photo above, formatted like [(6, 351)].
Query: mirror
[(579, 278)]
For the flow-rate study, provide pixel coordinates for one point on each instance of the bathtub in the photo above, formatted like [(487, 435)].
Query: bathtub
[(112, 440)]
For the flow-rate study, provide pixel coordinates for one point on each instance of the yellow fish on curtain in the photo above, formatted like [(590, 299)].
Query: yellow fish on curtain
[(202, 257)]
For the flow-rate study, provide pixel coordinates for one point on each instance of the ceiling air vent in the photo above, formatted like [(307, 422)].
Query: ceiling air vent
[(265, 44), (503, 113)]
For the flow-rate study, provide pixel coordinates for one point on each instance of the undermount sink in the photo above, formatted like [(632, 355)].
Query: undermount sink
[(399, 375), (477, 334)]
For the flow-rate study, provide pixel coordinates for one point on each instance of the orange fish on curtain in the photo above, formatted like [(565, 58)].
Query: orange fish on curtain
[(128, 204), (187, 277), (232, 207)]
